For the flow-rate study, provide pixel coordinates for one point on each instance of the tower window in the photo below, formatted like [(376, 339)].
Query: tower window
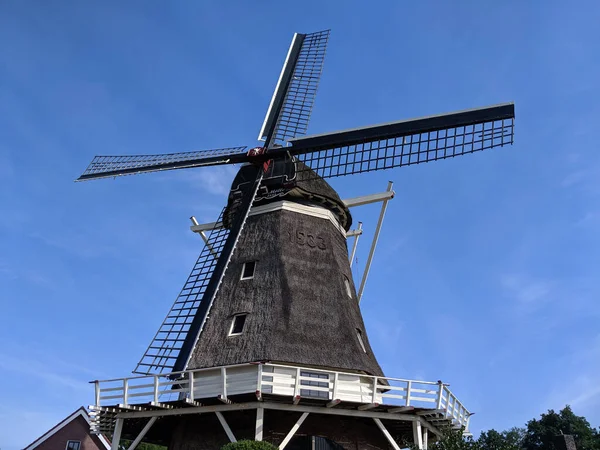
[(73, 445), (248, 270), (347, 284), (237, 324), (360, 340)]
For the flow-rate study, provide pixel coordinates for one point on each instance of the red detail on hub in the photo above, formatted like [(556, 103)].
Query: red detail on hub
[(256, 151)]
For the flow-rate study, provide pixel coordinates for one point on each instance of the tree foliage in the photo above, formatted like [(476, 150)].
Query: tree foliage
[(249, 445), (540, 433)]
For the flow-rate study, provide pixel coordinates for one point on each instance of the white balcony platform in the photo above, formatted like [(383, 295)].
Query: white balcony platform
[(275, 386)]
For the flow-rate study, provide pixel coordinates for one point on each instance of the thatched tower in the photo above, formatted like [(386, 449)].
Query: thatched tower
[(288, 294)]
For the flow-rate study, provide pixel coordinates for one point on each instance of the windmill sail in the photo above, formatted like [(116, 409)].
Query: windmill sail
[(176, 337), (112, 166), (289, 112), (406, 142)]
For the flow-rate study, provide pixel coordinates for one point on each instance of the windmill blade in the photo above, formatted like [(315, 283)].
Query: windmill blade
[(113, 166), (406, 142), (294, 96), (174, 341)]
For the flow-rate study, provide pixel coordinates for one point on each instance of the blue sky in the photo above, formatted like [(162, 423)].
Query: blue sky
[(486, 272)]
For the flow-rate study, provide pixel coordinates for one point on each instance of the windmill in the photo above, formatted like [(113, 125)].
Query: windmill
[(268, 318)]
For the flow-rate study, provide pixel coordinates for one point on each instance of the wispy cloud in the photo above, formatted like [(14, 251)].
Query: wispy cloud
[(214, 180), (529, 294)]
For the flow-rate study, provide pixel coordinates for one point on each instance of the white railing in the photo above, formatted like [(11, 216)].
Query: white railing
[(279, 380)]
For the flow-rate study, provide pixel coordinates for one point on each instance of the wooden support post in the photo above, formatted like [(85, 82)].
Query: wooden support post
[(140, 436), (258, 431), (224, 379), (117, 434), (387, 434), (225, 427), (408, 388), (156, 388), (425, 436), (295, 428), (417, 434), (97, 392), (125, 392), (191, 385), (440, 392)]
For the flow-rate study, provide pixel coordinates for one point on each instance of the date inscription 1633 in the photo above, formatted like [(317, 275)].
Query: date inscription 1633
[(303, 237)]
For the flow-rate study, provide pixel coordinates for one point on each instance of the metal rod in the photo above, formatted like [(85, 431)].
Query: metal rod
[(355, 243), (373, 244), (205, 239)]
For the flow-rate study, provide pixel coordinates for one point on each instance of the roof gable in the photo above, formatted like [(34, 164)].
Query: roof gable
[(81, 412)]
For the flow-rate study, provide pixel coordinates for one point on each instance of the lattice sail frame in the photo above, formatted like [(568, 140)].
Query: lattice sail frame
[(381, 154), (111, 166), (300, 96)]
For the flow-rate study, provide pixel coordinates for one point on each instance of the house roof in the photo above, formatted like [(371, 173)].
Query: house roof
[(63, 423)]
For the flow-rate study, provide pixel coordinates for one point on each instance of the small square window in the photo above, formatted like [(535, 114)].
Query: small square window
[(73, 445), (360, 340), (237, 324), (248, 270), (347, 284)]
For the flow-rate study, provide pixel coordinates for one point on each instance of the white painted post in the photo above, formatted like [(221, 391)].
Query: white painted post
[(116, 434), (97, 392), (374, 396), (258, 432), (259, 381), (125, 392), (335, 387), (297, 383), (425, 437), (408, 388), (417, 436), (191, 385), (224, 377), (155, 388), (290, 435), (440, 390)]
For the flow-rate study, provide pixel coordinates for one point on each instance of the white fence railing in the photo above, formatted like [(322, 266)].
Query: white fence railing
[(274, 379)]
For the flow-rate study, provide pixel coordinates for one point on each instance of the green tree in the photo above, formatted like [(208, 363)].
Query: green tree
[(249, 445), (506, 440), (124, 445), (540, 433)]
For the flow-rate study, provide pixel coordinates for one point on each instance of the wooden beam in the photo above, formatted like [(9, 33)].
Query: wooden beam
[(295, 428), (417, 434), (297, 399), (387, 434), (333, 403), (226, 427), (401, 409), (258, 430), (116, 437), (368, 406), (140, 436)]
